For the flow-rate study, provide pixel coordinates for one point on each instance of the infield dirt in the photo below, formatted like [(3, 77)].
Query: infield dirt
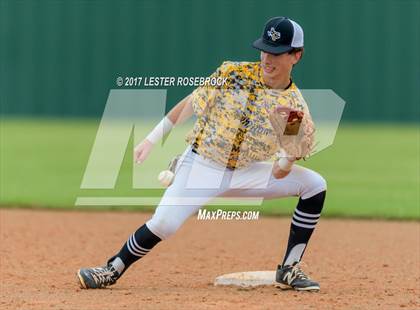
[(360, 264)]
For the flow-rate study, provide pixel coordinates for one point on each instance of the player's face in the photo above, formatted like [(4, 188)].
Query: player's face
[(278, 65)]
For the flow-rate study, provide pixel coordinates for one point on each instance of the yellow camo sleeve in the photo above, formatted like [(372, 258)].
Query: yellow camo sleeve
[(203, 97)]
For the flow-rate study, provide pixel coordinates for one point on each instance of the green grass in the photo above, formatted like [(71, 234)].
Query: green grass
[(371, 170)]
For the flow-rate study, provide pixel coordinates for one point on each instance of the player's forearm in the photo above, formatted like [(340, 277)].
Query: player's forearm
[(180, 113)]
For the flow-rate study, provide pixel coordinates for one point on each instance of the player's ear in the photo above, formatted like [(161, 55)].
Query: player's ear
[(297, 55), (300, 54)]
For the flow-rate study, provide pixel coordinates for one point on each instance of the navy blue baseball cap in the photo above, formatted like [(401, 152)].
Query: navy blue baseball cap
[(280, 35)]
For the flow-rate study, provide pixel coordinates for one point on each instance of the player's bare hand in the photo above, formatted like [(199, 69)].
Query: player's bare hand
[(142, 151), (280, 174)]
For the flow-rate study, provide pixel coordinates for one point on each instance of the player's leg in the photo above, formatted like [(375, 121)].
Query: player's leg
[(177, 204), (310, 187), (304, 221)]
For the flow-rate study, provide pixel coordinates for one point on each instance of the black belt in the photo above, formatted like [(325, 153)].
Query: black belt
[(196, 152)]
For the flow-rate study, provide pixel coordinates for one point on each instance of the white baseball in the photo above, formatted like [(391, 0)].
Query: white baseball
[(166, 177)]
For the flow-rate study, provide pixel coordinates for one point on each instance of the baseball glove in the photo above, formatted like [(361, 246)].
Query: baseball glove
[(294, 130)]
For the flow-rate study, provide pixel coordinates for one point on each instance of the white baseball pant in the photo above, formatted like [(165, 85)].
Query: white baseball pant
[(198, 180)]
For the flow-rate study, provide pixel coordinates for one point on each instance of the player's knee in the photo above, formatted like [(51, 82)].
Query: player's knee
[(322, 182), (314, 184), (162, 227)]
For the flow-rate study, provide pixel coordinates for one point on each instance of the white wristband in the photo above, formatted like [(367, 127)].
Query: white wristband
[(161, 129)]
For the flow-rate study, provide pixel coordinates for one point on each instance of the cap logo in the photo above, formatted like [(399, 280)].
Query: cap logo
[(273, 34)]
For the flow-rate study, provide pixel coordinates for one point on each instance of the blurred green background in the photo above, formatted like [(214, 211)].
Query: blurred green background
[(59, 59)]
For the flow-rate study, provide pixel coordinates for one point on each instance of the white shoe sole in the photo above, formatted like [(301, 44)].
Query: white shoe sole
[(284, 287)]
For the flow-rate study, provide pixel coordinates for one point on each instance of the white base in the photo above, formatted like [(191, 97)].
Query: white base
[(247, 278)]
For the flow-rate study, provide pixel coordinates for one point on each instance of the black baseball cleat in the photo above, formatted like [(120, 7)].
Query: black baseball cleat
[(292, 277), (98, 277)]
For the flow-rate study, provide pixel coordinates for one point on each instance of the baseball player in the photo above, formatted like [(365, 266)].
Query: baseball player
[(257, 116)]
